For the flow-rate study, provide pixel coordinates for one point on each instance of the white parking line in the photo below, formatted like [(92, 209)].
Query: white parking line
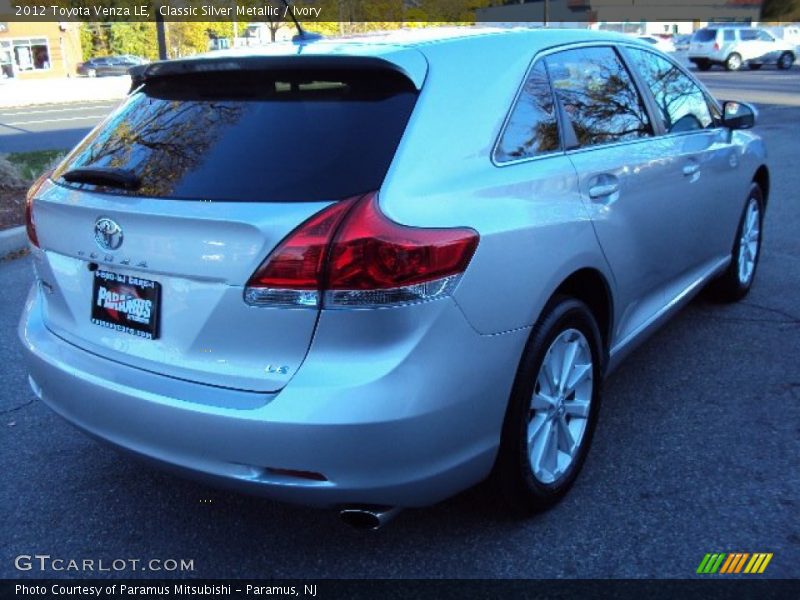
[(50, 110), (85, 118)]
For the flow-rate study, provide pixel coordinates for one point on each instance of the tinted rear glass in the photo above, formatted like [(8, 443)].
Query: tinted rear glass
[(705, 35), (532, 128), (255, 135)]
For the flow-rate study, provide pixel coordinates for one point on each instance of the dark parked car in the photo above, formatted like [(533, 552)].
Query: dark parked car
[(109, 65)]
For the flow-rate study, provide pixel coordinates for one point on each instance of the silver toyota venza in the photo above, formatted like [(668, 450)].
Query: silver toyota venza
[(370, 273)]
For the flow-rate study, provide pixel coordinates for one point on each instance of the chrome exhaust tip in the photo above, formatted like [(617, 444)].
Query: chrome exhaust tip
[(370, 518)]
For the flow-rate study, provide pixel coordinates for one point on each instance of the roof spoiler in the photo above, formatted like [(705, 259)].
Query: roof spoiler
[(175, 68)]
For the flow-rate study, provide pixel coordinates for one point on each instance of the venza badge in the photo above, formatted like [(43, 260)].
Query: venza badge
[(107, 233)]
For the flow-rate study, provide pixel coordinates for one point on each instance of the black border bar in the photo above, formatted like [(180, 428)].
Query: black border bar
[(713, 588), (408, 11)]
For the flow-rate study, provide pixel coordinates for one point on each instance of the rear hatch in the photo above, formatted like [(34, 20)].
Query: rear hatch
[(704, 42), (202, 172)]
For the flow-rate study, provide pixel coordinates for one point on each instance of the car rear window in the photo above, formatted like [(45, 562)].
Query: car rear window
[(705, 35), (254, 136)]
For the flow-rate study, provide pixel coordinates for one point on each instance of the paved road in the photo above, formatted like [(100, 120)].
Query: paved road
[(697, 451), (768, 86), (49, 126)]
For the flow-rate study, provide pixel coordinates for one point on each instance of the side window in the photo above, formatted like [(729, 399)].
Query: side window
[(748, 35), (681, 102), (730, 35), (763, 36), (598, 96), (532, 128)]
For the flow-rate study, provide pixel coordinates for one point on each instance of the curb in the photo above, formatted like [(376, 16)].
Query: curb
[(13, 240)]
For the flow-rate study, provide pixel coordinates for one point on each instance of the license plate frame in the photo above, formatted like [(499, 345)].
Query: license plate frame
[(126, 303)]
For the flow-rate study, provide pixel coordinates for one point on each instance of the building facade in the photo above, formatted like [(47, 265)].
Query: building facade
[(631, 16), (39, 50)]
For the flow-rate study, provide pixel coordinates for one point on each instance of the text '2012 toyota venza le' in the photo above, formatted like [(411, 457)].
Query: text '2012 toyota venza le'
[(368, 274)]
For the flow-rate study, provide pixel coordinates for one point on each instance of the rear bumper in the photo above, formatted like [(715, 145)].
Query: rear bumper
[(407, 426), (706, 58)]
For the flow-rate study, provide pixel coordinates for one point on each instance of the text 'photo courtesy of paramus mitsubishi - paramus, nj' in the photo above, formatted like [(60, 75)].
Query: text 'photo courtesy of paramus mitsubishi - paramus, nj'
[(370, 273)]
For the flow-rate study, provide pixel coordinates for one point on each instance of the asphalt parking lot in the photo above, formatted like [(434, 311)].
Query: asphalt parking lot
[(697, 450)]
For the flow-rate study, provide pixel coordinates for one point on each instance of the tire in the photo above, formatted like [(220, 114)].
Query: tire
[(786, 61), (735, 283), (528, 485), (733, 62), (754, 66)]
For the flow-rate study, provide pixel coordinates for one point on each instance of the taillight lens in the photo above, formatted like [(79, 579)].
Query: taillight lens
[(352, 255), (30, 224), (716, 47), (292, 273)]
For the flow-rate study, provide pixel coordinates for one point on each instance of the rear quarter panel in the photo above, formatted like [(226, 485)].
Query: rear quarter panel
[(534, 228)]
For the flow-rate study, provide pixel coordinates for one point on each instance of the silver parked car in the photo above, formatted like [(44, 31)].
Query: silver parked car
[(732, 47), (367, 274)]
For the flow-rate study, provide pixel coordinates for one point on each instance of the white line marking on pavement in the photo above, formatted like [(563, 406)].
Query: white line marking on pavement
[(49, 110), (86, 118)]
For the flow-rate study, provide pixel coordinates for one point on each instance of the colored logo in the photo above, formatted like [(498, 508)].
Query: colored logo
[(734, 562)]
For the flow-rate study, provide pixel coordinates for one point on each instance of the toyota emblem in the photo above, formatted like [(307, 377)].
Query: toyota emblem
[(107, 233)]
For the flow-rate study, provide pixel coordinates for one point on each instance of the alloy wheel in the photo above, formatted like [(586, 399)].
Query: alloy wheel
[(559, 407), (748, 242)]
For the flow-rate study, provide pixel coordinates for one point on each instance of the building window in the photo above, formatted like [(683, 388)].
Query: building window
[(31, 54), (6, 61)]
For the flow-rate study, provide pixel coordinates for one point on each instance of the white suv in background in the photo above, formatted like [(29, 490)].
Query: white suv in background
[(734, 46)]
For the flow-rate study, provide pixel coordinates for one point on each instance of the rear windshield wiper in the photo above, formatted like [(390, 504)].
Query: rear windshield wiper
[(105, 176)]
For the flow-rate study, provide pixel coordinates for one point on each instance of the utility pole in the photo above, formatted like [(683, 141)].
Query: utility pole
[(235, 24), (161, 35), (546, 12)]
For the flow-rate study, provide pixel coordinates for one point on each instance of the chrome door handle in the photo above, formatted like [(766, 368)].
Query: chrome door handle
[(602, 190), (690, 169)]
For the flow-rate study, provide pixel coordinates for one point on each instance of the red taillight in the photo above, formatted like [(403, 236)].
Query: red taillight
[(30, 225), (716, 47), (298, 260), (354, 255), (373, 253)]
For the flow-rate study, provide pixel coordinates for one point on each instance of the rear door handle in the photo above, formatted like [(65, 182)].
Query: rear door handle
[(602, 190), (690, 169)]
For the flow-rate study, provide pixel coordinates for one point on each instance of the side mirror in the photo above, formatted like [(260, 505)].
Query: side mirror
[(738, 115)]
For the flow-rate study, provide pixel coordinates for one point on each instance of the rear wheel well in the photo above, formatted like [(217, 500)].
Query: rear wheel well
[(590, 287), (762, 179)]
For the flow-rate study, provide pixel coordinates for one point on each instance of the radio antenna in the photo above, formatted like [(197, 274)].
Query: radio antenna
[(302, 34)]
